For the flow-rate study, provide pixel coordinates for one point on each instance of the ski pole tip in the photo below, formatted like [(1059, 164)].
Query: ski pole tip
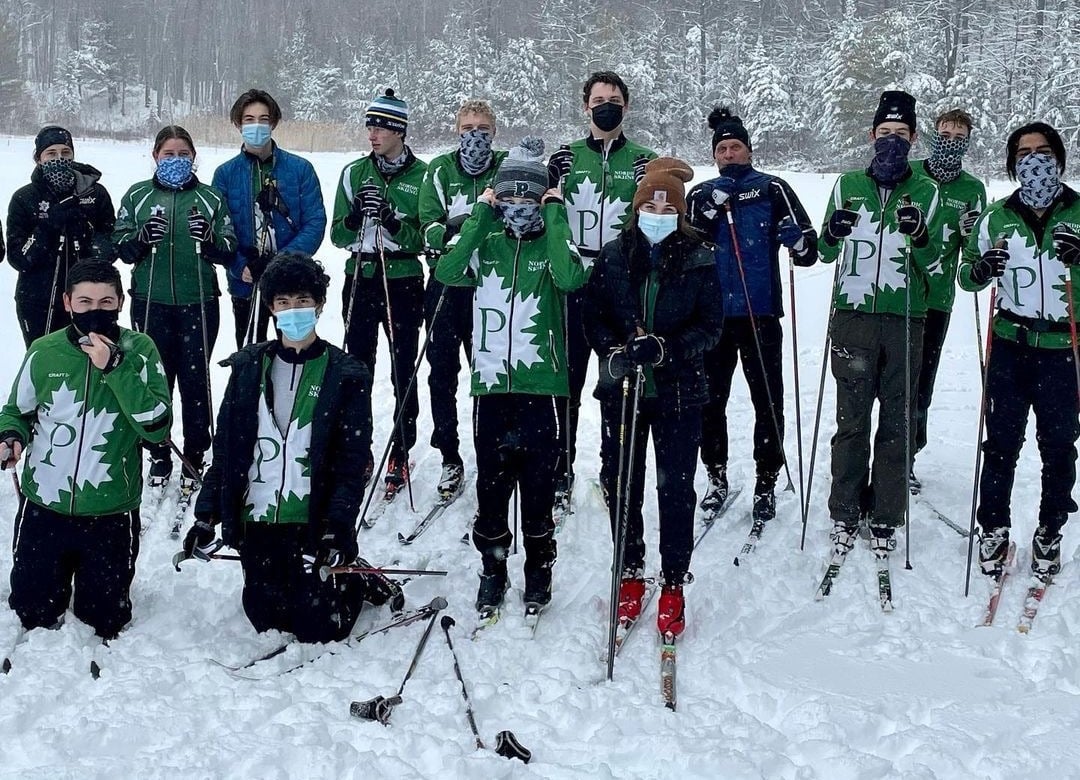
[(447, 622), (438, 603), (507, 745)]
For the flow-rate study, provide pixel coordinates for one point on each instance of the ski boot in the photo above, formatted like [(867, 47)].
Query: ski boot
[(717, 492), (671, 614), (1045, 552), (451, 481), (993, 550)]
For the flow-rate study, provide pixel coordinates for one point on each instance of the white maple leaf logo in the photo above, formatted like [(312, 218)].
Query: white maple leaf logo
[(594, 219), (502, 321), (60, 460), (873, 262), (459, 206)]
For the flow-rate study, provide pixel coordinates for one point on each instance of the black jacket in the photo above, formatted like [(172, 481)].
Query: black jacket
[(688, 312), (33, 247), (340, 442)]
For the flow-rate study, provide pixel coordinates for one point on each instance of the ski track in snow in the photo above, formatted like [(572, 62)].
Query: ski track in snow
[(771, 684)]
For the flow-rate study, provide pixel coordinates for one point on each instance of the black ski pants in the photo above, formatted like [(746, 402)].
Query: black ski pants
[(937, 325), (577, 366), (241, 320), (449, 338), (54, 551), (516, 437), (1021, 379), (867, 360), (369, 311), (33, 314), (676, 435), (280, 594), (177, 333), (737, 343)]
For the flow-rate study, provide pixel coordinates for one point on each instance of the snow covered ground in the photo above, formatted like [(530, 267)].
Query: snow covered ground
[(771, 683)]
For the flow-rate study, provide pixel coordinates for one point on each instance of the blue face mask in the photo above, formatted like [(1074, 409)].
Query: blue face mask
[(174, 172), (256, 135), (296, 324), (657, 227)]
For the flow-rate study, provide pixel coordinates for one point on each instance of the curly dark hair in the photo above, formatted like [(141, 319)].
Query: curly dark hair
[(290, 273)]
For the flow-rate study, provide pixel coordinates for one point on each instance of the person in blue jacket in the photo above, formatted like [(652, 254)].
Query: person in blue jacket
[(748, 215), (275, 202)]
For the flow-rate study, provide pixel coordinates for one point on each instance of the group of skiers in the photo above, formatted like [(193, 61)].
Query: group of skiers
[(532, 266)]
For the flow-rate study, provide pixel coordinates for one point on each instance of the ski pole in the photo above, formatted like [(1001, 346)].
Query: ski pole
[(795, 357), (400, 413), (821, 391), (352, 287), (978, 438), (757, 341), (394, 372), (205, 337), (506, 744), (909, 258), (149, 289), (619, 539), (55, 281), (326, 572), (251, 332), (205, 554), (380, 708)]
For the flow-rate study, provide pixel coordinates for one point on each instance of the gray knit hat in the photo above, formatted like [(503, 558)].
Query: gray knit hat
[(523, 173)]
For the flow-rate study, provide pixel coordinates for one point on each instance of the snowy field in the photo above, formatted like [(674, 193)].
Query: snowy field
[(771, 683)]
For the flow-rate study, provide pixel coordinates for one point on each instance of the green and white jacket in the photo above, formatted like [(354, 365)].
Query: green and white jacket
[(599, 191), (1031, 300), (958, 196), (402, 192), (83, 426), (448, 194), (873, 276), (519, 343)]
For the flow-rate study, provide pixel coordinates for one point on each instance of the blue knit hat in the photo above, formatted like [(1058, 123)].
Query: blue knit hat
[(389, 112)]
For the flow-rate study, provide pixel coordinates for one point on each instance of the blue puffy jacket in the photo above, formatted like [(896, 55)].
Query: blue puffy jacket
[(758, 206), (305, 226)]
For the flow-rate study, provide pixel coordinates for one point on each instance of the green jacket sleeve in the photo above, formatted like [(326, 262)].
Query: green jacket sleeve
[(453, 268), (21, 407), (140, 387), (340, 235), (126, 232), (830, 252), (433, 209), (977, 243), (566, 267)]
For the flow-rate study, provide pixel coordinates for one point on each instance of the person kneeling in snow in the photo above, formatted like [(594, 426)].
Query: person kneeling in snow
[(84, 399), (284, 482)]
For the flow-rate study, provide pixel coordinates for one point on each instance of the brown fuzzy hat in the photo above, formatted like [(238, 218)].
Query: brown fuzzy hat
[(669, 175)]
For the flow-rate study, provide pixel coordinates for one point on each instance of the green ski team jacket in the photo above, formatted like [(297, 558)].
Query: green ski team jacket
[(83, 426), (1031, 300), (873, 273), (447, 196), (960, 195), (519, 344), (175, 274), (599, 191), (402, 192)]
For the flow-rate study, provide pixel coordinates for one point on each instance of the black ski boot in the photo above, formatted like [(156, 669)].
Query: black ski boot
[(1045, 552), (380, 589), (538, 585), (764, 497), (493, 586), (717, 492)]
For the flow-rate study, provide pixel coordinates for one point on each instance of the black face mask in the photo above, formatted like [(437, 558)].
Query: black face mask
[(607, 116), (59, 176), (104, 322)]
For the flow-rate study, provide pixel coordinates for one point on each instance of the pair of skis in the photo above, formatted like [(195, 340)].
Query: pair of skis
[(1032, 599), (884, 578), (99, 645), (433, 514)]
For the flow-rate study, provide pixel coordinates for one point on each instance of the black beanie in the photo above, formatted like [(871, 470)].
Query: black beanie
[(895, 106), (49, 135), (726, 126)]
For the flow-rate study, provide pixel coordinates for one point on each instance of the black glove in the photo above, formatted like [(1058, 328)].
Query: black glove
[(990, 266), (375, 206), (639, 168), (559, 165), (7, 449), (198, 226), (1067, 245), (909, 220), (333, 549), (967, 222), (269, 198), (647, 350), (200, 535), (255, 261), (841, 223), (790, 235), (154, 229)]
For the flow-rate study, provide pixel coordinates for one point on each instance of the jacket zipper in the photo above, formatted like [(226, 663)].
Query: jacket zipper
[(82, 434), (172, 247), (880, 239), (284, 449), (510, 321), (603, 197)]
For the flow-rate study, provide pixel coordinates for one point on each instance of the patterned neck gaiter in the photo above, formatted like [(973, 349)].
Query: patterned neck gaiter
[(475, 151), (522, 218), (946, 157), (890, 161), (1039, 180)]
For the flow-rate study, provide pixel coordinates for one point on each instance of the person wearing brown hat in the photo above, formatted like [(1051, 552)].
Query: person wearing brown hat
[(62, 216), (515, 252), (749, 216), (653, 302), (877, 228)]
